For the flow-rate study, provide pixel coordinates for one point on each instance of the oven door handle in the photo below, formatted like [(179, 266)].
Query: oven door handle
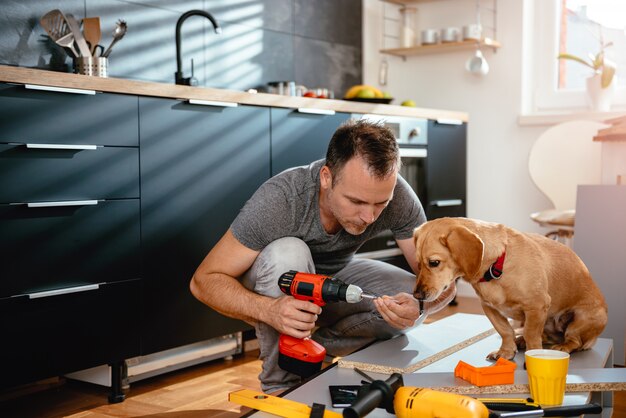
[(413, 152), (448, 202)]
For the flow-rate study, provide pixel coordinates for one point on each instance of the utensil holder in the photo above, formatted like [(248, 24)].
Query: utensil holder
[(94, 66)]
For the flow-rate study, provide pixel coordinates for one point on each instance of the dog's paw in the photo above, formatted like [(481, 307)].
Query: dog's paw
[(567, 348), (501, 353), (520, 343)]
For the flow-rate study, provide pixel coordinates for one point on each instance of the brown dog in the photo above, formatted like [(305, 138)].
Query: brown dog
[(526, 277)]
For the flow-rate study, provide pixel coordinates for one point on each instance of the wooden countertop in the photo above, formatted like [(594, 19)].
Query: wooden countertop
[(23, 75)]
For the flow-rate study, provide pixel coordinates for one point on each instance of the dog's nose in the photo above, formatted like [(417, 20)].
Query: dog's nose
[(418, 293)]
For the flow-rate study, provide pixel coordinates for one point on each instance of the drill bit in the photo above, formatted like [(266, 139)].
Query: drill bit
[(368, 296)]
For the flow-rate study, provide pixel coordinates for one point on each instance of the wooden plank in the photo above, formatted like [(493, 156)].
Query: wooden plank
[(579, 380), (442, 47), (377, 368)]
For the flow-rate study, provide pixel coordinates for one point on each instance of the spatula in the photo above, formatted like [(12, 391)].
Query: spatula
[(91, 32), (67, 41), (55, 24), (78, 35)]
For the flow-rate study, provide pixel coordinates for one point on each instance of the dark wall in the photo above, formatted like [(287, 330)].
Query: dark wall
[(317, 43)]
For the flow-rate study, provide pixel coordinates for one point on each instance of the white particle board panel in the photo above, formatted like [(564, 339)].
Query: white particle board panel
[(600, 241)]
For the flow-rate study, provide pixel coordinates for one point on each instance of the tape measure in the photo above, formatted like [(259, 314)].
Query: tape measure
[(274, 405)]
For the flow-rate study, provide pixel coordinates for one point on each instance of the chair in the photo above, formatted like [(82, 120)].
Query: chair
[(563, 157)]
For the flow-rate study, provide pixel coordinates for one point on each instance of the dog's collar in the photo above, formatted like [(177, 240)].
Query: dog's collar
[(495, 270)]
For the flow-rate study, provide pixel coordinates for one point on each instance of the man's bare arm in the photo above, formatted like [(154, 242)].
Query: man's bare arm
[(216, 284)]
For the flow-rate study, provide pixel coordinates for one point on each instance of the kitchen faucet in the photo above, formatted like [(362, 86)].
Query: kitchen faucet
[(190, 81)]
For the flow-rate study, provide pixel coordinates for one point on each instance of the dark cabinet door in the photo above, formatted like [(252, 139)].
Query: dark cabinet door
[(446, 170), (199, 165), (46, 248), (40, 174), (300, 138), (45, 336), (48, 117)]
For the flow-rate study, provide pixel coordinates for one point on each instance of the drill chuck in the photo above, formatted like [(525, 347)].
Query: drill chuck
[(317, 288)]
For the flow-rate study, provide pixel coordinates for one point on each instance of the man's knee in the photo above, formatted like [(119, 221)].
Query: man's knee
[(280, 256), (286, 252)]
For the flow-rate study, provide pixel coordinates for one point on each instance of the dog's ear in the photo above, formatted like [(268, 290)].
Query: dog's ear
[(466, 249)]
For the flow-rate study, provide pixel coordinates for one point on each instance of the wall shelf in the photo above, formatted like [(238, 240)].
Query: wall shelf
[(488, 41), (441, 47)]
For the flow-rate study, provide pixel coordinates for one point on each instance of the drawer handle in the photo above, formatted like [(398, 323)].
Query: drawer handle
[(444, 121), (449, 202), (62, 203), (212, 103), (313, 111), (61, 146), (64, 291), (59, 89)]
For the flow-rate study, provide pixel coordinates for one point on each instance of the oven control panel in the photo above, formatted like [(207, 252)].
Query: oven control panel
[(408, 131)]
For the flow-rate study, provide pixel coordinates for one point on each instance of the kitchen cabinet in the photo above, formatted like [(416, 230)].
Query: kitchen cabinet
[(69, 221), (199, 165), (300, 138), (446, 169)]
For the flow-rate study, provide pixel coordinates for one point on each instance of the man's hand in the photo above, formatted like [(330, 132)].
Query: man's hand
[(291, 316), (400, 311)]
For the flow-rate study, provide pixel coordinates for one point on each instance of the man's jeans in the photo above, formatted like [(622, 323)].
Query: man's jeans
[(343, 327)]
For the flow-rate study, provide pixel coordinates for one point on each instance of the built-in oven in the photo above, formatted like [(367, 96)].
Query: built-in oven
[(412, 137)]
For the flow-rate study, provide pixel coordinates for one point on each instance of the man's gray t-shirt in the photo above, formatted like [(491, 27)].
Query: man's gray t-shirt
[(287, 205)]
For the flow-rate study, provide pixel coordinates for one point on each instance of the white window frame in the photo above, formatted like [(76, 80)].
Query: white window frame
[(540, 95)]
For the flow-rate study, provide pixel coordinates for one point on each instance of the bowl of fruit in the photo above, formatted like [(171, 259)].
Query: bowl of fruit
[(367, 94)]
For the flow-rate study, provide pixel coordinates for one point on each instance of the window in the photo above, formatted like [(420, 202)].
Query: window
[(578, 27)]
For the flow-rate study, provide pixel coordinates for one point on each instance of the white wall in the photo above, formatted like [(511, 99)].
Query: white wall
[(499, 186)]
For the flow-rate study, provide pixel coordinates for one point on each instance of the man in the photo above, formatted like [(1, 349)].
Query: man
[(313, 219)]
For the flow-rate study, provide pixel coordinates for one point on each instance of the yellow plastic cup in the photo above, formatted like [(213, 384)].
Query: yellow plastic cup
[(547, 372)]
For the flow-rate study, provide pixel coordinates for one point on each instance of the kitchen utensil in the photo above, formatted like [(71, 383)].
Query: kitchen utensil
[(407, 31), (67, 41), (450, 34), (118, 33), (83, 48), (55, 24), (94, 66), (472, 31), (430, 36), (91, 32), (477, 64), (383, 72)]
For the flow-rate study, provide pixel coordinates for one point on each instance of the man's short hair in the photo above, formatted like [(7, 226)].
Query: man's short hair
[(369, 140)]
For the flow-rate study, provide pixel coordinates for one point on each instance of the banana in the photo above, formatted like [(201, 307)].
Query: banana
[(354, 90)]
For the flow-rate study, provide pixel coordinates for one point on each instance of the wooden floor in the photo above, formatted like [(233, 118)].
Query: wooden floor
[(196, 392)]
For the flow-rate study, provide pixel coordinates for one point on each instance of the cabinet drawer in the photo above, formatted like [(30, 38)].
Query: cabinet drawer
[(36, 174), (49, 336), (45, 248), (66, 118)]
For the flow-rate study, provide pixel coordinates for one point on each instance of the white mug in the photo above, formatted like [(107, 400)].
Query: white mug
[(430, 36), (450, 34), (473, 31)]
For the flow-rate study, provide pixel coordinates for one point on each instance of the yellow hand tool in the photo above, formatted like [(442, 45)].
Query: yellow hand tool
[(274, 405)]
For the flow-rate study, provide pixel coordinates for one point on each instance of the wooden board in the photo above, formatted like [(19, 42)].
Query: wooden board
[(378, 368)]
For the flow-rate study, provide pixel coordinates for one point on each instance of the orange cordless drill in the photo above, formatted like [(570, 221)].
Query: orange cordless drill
[(304, 357)]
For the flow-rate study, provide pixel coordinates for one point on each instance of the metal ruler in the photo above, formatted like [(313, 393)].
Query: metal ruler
[(274, 405)]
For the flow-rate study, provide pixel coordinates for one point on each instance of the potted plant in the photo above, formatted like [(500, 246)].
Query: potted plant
[(599, 85)]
